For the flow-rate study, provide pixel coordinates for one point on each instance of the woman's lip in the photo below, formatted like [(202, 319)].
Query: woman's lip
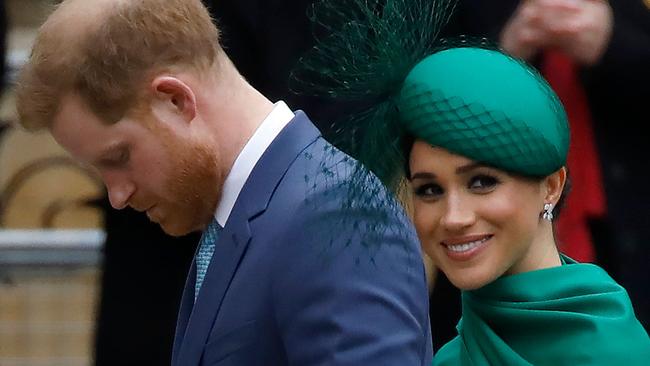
[(470, 253), (465, 239)]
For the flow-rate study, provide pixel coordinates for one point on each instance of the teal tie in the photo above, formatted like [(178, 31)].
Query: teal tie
[(206, 249)]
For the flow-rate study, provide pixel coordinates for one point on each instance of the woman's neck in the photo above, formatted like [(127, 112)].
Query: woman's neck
[(542, 253)]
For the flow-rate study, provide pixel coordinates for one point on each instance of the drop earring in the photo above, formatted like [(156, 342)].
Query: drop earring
[(548, 212)]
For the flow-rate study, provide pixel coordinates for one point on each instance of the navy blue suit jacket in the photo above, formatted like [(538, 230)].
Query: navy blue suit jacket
[(297, 279)]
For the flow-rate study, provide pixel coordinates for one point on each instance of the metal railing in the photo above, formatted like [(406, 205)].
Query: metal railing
[(51, 247)]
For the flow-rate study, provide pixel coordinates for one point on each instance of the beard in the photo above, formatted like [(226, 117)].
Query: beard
[(193, 188)]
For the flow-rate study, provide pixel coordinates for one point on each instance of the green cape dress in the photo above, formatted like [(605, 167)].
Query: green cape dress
[(574, 314)]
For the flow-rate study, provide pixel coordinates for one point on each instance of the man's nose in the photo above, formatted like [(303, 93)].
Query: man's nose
[(119, 189)]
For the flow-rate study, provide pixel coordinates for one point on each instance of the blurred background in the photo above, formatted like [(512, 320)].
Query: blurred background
[(83, 284), (51, 235)]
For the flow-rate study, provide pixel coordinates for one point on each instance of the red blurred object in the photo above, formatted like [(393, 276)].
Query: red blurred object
[(587, 198)]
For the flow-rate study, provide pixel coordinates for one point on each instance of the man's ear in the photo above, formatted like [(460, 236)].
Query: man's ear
[(554, 185), (172, 95)]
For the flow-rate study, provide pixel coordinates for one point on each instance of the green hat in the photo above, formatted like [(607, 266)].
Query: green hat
[(488, 107), (463, 95)]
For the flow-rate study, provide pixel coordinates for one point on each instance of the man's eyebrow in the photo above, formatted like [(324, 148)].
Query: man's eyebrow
[(110, 153)]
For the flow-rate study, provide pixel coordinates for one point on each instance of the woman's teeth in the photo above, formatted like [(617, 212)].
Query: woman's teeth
[(466, 246)]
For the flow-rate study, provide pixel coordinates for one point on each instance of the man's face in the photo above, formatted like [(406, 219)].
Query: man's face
[(151, 166)]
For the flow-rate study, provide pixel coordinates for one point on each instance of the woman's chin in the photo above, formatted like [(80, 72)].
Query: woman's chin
[(466, 280)]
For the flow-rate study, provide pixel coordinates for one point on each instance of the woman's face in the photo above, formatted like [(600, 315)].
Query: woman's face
[(474, 221)]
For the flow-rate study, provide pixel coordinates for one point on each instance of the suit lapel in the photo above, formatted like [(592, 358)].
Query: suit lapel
[(187, 303), (230, 248), (196, 319)]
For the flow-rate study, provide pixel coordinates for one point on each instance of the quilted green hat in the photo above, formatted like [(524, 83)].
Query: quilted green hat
[(488, 107)]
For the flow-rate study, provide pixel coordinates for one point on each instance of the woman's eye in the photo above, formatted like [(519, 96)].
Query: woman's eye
[(429, 190), (483, 183)]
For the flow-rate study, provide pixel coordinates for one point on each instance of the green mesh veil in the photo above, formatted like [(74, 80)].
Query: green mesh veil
[(464, 95), (368, 49)]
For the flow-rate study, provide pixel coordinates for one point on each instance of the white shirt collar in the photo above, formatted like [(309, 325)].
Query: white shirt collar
[(268, 130)]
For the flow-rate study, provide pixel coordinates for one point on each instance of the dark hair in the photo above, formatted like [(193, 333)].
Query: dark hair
[(563, 196)]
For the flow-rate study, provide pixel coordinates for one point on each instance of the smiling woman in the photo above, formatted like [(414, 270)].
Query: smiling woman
[(482, 141), (487, 170), (477, 222)]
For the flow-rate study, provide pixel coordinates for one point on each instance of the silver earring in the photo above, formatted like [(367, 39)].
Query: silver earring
[(548, 212)]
